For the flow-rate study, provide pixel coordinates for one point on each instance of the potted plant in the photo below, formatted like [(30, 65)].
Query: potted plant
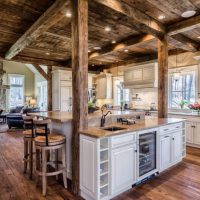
[(92, 107), (182, 103)]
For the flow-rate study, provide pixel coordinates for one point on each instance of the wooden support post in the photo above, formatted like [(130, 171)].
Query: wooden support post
[(162, 78), (79, 82), (49, 87)]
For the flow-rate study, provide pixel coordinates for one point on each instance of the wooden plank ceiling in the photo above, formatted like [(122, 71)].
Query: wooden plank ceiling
[(39, 32)]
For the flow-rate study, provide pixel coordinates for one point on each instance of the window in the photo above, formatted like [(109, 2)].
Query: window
[(16, 91), (120, 94), (182, 87)]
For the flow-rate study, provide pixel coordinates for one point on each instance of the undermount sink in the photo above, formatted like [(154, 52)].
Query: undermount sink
[(113, 128)]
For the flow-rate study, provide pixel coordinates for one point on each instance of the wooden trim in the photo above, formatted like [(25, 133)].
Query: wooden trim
[(162, 78), (79, 82), (49, 87), (54, 14), (41, 71)]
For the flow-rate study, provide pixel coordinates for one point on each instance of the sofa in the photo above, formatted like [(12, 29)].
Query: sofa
[(14, 118)]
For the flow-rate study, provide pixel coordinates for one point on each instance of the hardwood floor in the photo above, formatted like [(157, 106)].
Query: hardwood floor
[(181, 182)]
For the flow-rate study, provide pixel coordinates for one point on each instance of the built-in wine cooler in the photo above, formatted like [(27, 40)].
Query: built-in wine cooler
[(147, 153)]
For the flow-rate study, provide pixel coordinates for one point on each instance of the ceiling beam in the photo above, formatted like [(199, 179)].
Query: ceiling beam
[(53, 14), (184, 25), (144, 22), (41, 71)]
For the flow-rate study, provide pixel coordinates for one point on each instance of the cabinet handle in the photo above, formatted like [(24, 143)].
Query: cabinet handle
[(166, 129), (172, 138), (166, 136), (135, 151)]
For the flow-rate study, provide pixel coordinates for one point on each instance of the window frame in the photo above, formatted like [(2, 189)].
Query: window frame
[(23, 88), (183, 70)]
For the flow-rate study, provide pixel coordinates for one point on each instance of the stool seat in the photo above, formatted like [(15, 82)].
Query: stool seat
[(53, 139), (27, 133)]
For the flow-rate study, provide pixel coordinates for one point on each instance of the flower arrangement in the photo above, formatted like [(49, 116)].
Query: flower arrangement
[(195, 106)]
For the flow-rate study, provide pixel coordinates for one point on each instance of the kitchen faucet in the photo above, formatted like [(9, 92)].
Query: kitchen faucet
[(103, 118)]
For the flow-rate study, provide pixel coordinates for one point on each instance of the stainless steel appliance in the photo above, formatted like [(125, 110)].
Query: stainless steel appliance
[(147, 153)]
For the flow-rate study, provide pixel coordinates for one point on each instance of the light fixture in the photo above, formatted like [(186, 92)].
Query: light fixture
[(198, 37), (161, 17), (188, 13), (125, 50), (89, 51), (68, 14), (113, 42), (97, 48), (93, 65), (47, 53), (107, 29)]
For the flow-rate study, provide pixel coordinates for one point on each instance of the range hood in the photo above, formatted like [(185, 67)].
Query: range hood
[(141, 76)]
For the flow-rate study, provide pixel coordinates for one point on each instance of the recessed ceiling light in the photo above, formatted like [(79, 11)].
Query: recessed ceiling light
[(47, 53), (113, 41), (93, 65), (161, 17), (68, 14), (107, 28), (188, 13), (125, 50), (89, 51), (198, 37), (97, 48)]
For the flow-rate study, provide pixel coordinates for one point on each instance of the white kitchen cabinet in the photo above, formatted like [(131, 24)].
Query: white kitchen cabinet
[(104, 86), (189, 132), (196, 133), (193, 134), (123, 168), (165, 151), (177, 146), (128, 76)]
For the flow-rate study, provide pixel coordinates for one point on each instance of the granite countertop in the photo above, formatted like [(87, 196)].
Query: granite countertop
[(140, 125), (67, 116)]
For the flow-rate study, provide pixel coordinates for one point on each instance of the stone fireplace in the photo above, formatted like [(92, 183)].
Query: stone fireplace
[(3, 89)]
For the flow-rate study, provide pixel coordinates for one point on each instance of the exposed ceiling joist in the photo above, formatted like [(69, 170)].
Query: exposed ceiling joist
[(184, 25), (54, 14), (141, 20), (41, 71)]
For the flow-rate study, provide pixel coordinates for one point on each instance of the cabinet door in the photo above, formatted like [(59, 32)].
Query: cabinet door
[(66, 98), (196, 128), (165, 151), (137, 75), (177, 146), (101, 88), (128, 76), (189, 132), (123, 168)]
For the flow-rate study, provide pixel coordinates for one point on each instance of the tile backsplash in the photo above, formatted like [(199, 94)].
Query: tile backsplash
[(147, 96)]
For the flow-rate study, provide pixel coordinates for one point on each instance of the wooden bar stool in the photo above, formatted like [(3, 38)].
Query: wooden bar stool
[(46, 143), (28, 143)]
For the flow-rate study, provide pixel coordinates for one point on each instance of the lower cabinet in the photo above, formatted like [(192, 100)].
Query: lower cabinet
[(193, 134), (123, 168), (171, 149)]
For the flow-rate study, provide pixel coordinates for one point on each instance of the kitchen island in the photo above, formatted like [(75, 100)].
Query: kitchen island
[(114, 158), (62, 123)]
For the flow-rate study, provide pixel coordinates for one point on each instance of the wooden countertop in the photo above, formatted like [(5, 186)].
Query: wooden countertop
[(140, 125), (67, 116)]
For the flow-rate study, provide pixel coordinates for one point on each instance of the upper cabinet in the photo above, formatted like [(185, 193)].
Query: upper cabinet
[(142, 76), (104, 86)]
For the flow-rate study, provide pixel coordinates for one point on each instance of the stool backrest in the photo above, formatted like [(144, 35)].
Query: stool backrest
[(41, 128), (28, 123)]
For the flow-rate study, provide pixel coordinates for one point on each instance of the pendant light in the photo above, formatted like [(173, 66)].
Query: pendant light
[(176, 74)]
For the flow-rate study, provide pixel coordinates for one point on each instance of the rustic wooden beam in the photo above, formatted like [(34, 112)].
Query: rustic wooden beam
[(185, 25), (184, 42), (79, 82), (49, 87), (41, 71), (162, 78), (54, 14), (144, 22)]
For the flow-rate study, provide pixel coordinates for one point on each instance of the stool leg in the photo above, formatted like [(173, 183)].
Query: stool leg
[(44, 169), (56, 158), (37, 164), (31, 159), (64, 166), (25, 155)]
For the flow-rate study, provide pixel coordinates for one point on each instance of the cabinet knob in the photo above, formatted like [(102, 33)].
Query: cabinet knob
[(135, 151), (172, 138)]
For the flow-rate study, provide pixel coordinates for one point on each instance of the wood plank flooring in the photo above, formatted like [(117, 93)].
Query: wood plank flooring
[(181, 182)]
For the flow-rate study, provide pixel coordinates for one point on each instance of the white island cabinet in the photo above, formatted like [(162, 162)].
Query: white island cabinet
[(110, 165)]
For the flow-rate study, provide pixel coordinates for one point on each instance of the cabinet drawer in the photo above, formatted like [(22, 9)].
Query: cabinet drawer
[(170, 128), (118, 141)]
